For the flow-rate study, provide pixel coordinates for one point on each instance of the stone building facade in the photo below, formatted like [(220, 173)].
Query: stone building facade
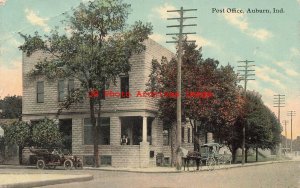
[(135, 117)]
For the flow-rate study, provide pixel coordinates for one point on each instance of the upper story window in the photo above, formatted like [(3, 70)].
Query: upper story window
[(40, 92), (71, 86), (124, 86), (61, 90)]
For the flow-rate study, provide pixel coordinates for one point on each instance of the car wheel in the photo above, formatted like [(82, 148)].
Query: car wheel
[(40, 164), (79, 165), (68, 164)]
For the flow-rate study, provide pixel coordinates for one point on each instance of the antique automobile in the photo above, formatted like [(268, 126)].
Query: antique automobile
[(47, 159)]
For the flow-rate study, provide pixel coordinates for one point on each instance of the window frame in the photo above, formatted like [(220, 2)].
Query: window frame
[(121, 88), (40, 93), (60, 90), (70, 89)]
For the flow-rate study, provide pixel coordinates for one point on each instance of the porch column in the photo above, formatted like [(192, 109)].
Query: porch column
[(144, 129), (144, 146)]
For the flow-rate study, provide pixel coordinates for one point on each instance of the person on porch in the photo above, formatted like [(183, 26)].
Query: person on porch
[(124, 140)]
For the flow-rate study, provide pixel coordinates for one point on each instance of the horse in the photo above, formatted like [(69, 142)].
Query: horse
[(190, 155)]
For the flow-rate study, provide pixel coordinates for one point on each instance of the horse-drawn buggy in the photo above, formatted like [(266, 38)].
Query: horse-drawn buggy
[(208, 155), (47, 159)]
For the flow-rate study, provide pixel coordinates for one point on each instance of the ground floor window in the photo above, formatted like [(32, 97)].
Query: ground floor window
[(105, 160), (65, 127), (132, 130), (166, 135), (103, 130)]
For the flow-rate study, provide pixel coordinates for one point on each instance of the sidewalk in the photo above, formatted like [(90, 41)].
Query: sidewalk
[(191, 169), (34, 180), (161, 169)]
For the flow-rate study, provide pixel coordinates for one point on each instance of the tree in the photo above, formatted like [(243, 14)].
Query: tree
[(96, 52), (46, 134), (43, 134), (11, 107), (17, 133), (218, 105), (262, 127)]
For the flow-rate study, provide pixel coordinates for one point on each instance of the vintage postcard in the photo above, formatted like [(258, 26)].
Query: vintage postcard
[(149, 93)]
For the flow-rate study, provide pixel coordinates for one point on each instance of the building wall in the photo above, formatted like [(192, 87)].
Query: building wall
[(113, 107)]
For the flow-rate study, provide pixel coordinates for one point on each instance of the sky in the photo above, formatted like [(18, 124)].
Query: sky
[(271, 40)]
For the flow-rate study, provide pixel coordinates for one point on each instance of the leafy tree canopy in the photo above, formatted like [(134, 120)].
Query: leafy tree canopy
[(11, 107)]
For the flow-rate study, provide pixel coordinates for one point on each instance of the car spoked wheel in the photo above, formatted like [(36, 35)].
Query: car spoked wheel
[(79, 165), (40, 164), (68, 164)]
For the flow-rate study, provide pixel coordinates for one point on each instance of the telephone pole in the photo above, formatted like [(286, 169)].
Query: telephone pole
[(179, 40), (279, 101), (291, 113), (285, 133), (246, 73)]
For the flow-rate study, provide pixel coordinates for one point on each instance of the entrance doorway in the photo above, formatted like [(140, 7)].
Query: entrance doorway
[(65, 127)]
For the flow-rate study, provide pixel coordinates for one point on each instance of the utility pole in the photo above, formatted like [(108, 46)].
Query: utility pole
[(291, 113), (279, 101), (246, 73), (285, 133), (181, 19)]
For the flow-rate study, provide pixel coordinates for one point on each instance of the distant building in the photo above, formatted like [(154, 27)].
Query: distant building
[(135, 117)]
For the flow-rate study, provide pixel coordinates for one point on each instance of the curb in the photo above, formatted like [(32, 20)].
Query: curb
[(181, 171), (48, 182)]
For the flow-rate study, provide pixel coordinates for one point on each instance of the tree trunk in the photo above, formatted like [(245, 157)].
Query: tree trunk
[(246, 154), (256, 155), (95, 130), (20, 155), (234, 155)]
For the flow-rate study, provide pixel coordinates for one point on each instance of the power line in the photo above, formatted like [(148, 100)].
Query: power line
[(180, 19), (245, 69)]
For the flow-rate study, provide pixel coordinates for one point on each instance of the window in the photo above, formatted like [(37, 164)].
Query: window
[(125, 87), (40, 92), (103, 130), (70, 86), (61, 90), (165, 135), (182, 134), (189, 135), (105, 160)]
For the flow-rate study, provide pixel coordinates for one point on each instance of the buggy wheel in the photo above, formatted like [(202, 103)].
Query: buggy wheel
[(68, 164), (210, 163), (40, 164), (79, 165), (220, 162)]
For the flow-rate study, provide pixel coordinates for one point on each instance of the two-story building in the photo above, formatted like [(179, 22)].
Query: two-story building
[(134, 116)]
